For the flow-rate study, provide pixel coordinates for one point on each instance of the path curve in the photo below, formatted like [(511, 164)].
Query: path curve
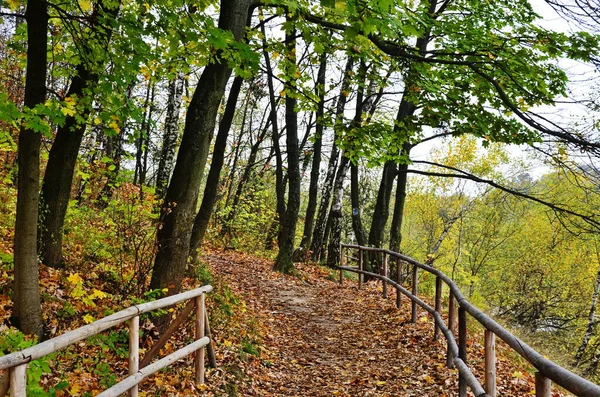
[(323, 339)]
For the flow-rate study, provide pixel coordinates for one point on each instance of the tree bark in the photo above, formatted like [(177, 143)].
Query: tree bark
[(279, 185), (58, 178), (212, 180), (395, 230), (313, 190), (170, 134), (357, 226), (592, 322), (333, 251), (317, 241), (27, 312), (284, 262), (177, 214)]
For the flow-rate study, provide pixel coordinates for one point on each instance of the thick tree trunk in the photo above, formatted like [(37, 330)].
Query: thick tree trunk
[(313, 190), (212, 180), (27, 312), (177, 214), (318, 237), (284, 262), (58, 178), (333, 251), (170, 134)]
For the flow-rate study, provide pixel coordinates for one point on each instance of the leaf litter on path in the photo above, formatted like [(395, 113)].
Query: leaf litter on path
[(320, 338)]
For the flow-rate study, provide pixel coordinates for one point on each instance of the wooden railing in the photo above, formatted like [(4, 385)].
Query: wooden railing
[(17, 362), (547, 370)]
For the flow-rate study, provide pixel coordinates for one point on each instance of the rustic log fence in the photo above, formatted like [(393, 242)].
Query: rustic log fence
[(17, 362), (546, 370)]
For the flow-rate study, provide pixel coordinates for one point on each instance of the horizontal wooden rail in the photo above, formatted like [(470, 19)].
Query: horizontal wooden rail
[(136, 378), (17, 362), (545, 367)]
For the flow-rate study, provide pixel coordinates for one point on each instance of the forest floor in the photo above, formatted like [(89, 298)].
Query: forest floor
[(274, 335), (320, 338)]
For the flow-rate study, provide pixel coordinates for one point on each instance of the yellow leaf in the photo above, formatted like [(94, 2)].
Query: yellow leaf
[(88, 319), (85, 5), (14, 4), (115, 127), (75, 390), (97, 121), (98, 294), (380, 382), (74, 278)]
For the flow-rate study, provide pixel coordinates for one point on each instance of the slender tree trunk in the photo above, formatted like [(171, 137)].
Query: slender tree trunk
[(313, 190), (114, 150), (395, 230), (246, 174), (284, 262), (592, 322), (144, 137), (279, 185), (177, 214), (333, 251), (27, 312), (170, 134), (212, 180), (317, 241), (357, 226), (225, 229), (58, 178)]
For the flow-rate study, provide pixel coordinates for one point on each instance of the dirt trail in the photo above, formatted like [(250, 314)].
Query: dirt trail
[(323, 339)]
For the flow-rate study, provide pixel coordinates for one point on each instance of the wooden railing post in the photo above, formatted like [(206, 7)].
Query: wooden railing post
[(438, 305), (342, 260), (134, 351), (490, 363), (415, 280), (199, 357), (543, 386), (384, 273), (451, 327), (18, 381), (462, 348), (360, 267), (399, 281)]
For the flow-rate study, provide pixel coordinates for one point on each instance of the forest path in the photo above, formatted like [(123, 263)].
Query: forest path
[(320, 338), (323, 339)]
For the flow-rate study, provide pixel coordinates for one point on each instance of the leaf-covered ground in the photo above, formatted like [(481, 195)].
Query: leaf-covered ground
[(322, 339), (275, 335)]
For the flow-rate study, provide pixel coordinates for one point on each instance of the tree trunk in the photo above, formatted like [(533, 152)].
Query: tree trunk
[(143, 138), (58, 178), (357, 226), (225, 229), (170, 134), (395, 230), (279, 185), (317, 242), (27, 312), (246, 175), (287, 233), (177, 214), (315, 171), (212, 180), (591, 326), (333, 251)]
